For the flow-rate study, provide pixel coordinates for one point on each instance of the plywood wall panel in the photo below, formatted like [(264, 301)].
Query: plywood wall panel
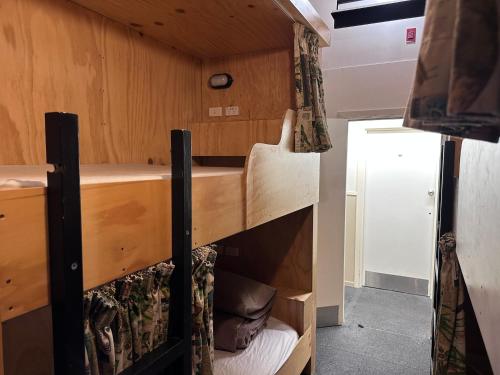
[(205, 28), (262, 87), (280, 253), (28, 344), (478, 237), (128, 90), (233, 138)]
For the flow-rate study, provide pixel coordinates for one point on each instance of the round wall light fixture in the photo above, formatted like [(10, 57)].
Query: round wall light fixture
[(220, 81)]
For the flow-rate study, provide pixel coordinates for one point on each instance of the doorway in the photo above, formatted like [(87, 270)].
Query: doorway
[(391, 206)]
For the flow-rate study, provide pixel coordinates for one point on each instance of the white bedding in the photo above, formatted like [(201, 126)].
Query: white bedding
[(264, 356)]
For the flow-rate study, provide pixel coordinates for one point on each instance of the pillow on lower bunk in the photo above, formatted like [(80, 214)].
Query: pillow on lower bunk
[(241, 296), (265, 355), (242, 307)]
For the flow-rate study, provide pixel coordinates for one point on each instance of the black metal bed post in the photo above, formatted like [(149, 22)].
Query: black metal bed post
[(180, 325), (445, 220), (65, 242)]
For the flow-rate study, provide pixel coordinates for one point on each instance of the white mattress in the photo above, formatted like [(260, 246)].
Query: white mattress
[(264, 356)]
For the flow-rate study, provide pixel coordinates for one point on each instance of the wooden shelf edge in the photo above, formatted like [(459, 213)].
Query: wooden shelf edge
[(295, 307), (301, 354), (294, 294), (126, 227)]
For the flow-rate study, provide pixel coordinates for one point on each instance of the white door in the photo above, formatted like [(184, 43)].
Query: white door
[(402, 171)]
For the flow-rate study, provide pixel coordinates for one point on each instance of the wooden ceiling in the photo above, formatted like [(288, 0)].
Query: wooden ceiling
[(204, 28)]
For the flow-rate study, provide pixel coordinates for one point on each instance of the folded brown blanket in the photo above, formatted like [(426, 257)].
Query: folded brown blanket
[(240, 296), (242, 307), (234, 332)]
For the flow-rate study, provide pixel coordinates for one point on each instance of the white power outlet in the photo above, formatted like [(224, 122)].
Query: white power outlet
[(215, 111), (232, 110)]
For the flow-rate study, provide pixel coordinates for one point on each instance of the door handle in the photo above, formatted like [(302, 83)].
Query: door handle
[(431, 193)]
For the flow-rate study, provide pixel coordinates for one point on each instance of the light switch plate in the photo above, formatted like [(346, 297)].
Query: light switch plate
[(215, 111), (232, 111)]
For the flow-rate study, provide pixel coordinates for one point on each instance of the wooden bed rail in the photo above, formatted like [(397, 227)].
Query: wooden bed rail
[(66, 266), (126, 225), (276, 175)]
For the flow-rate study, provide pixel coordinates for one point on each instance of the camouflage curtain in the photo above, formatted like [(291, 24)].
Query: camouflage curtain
[(203, 322), (449, 350), (311, 131), (128, 318), (457, 83), (125, 319)]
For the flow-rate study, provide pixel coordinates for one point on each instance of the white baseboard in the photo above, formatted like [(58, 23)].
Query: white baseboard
[(327, 316)]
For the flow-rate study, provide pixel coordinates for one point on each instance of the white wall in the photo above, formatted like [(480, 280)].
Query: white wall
[(331, 217), (356, 156), (357, 146), (368, 68)]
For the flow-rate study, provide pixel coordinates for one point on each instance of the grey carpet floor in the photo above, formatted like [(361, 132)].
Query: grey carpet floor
[(385, 333)]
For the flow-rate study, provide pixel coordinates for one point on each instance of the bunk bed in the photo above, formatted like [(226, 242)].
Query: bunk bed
[(134, 206), (126, 220)]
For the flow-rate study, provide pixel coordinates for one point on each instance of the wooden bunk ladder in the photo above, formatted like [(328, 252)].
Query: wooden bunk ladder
[(65, 253)]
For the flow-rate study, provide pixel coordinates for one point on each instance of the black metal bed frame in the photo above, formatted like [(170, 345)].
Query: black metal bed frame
[(445, 220), (65, 254), (390, 11)]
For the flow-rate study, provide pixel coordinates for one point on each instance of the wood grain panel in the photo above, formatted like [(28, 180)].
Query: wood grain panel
[(28, 344), (1, 349), (458, 152), (299, 357), (234, 138), (23, 252), (205, 28), (126, 226), (303, 12), (277, 176), (477, 218), (262, 88), (128, 90), (218, 208), (282, 253), (278, 253), (295, 307), (311, 365)]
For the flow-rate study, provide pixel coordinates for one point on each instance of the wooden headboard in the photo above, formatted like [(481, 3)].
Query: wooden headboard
[(271, 171)]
